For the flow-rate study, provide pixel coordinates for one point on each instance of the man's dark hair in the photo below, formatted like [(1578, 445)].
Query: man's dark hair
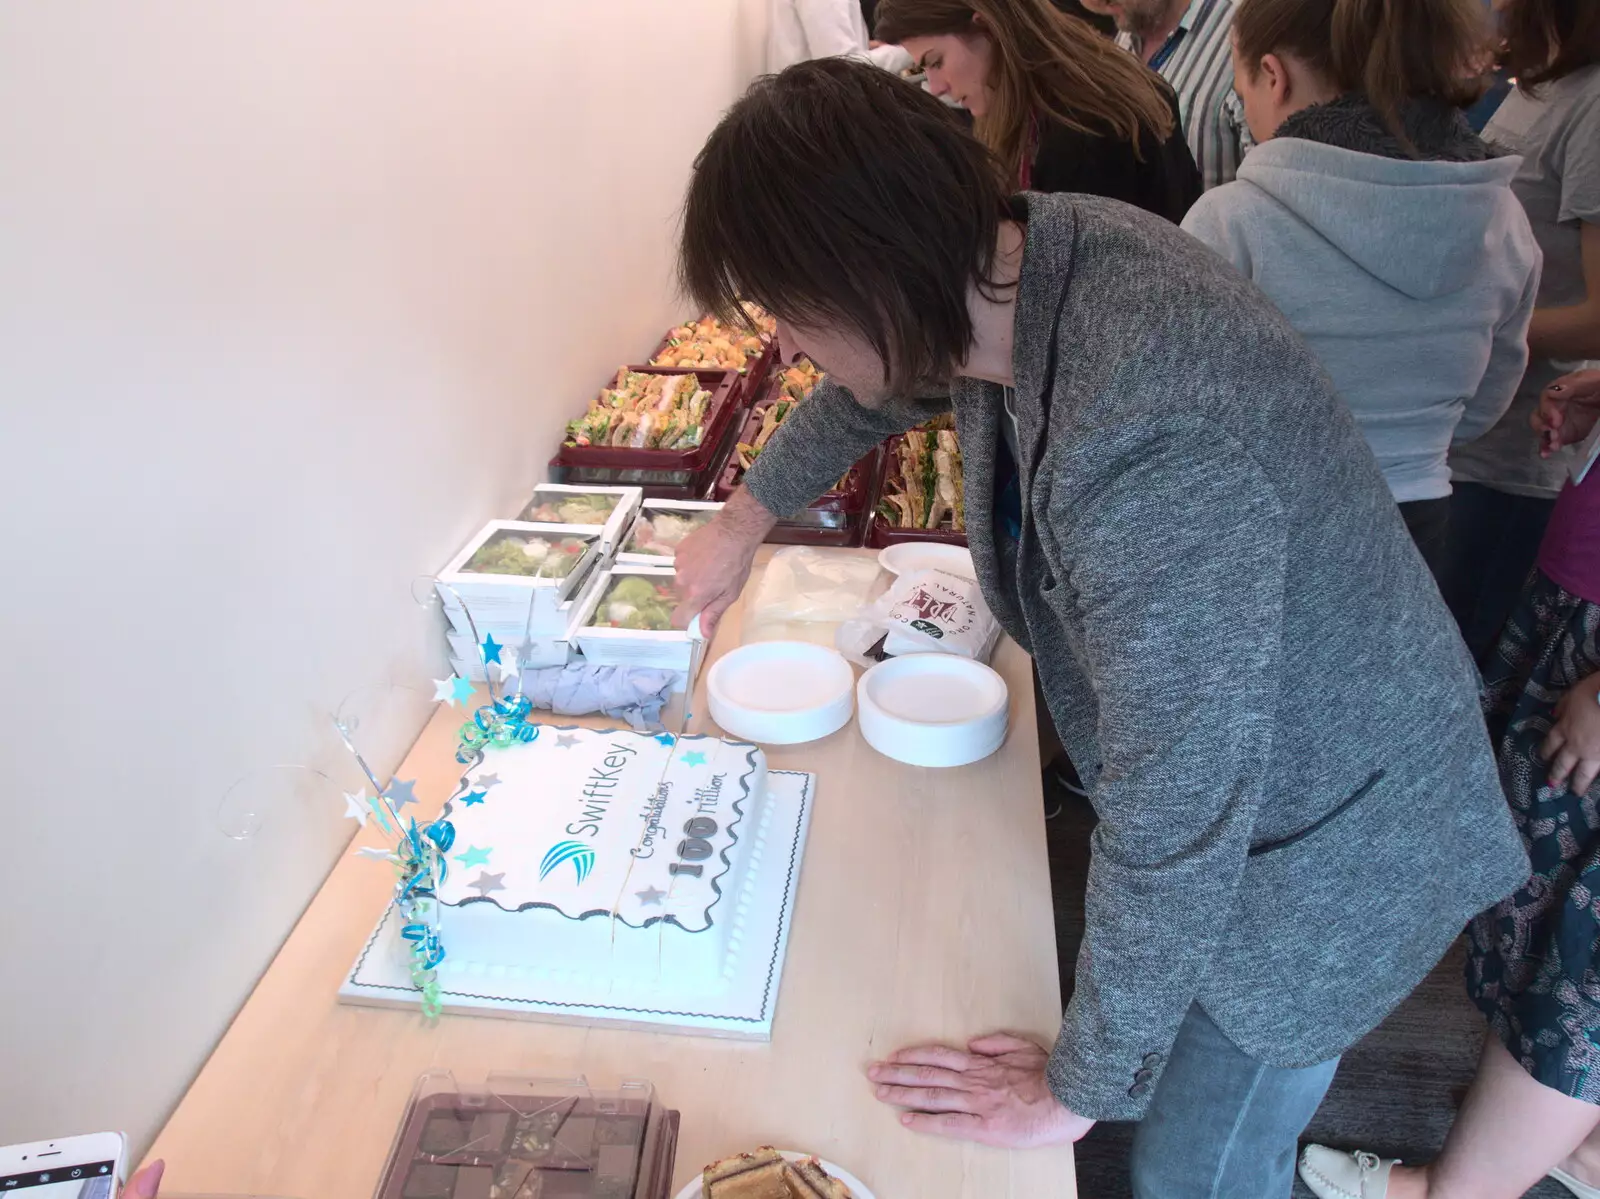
[(837, 195)]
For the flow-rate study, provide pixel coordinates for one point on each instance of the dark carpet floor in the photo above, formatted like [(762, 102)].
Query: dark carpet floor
[(1395, 1093)]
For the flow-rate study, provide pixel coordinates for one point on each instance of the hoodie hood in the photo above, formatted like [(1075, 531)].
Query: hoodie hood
[(1419, 226)]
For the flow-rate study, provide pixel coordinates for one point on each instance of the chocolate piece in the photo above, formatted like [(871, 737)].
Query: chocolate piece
[(617, 1161), (489, 1133), (474, 1182), (429, 1181), (445, 1132), (619, 1130)]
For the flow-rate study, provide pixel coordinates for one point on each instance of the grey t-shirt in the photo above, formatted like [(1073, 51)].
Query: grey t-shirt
[(1558, 136)]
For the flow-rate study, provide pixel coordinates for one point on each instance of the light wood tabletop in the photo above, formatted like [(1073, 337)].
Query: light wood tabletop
[(923, 913)]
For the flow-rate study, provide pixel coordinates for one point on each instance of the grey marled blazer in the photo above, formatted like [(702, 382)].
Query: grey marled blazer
[(1240, 645)]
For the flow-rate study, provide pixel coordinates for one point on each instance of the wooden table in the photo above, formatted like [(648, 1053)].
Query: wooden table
[(923, 913)]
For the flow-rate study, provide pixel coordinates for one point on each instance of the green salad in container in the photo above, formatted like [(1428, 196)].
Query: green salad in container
[(637, 602), (531, 555), (659, 532), (562, 508)]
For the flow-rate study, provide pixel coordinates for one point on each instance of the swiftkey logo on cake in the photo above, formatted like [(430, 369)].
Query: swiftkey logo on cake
[(576, 852)]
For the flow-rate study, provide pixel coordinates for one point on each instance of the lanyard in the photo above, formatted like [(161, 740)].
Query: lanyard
[(1168, 47)]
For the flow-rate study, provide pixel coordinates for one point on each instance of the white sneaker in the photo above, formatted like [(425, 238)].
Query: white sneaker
[(1581, 1190), (1335, 1174)]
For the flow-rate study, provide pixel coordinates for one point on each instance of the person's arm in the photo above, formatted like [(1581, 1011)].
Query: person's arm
[(1573, 333), (1182, 648), (830, 27), (1567, 411), (1508, 360), (825, 435)]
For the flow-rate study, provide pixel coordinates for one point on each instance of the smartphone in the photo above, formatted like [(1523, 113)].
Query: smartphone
[(86, 1167)]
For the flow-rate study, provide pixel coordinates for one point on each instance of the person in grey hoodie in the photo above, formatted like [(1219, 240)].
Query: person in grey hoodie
[(1382, 226)]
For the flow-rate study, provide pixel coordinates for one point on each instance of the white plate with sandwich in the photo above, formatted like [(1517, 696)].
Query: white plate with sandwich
[(769, 1173)]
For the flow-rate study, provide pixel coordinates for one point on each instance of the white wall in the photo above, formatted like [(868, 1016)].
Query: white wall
[(293, 297)]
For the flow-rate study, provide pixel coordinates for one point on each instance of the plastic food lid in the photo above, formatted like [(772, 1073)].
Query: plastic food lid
[(781, 692), (909, 556), (933, 709)]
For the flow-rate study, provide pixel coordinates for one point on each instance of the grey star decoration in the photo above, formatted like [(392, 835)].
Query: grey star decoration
[(567, 740), (400, 792), (486, 882), (651, 897), (484, 781)]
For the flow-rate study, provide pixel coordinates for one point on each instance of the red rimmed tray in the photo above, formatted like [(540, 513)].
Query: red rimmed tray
[(880, 532), (664, 474), (752, 378), (851, 496)]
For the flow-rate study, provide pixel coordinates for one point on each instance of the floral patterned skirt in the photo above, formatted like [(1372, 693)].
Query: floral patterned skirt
[(1533, 963)]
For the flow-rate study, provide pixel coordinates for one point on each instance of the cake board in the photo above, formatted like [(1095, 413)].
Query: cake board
[(744, 1010)]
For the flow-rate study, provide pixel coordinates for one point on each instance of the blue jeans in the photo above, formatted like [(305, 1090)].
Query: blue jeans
[(1223, 1125)]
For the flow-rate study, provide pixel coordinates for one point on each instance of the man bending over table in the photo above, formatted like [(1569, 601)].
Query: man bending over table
[(1170, 508)]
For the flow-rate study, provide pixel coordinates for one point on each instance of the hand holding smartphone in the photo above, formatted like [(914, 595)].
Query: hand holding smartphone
[(82, 1167)]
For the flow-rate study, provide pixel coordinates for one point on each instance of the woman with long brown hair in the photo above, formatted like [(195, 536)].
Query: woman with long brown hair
[(1061, 107)]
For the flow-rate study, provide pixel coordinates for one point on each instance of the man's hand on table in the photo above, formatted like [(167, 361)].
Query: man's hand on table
[(713, 563), (995, 1093)]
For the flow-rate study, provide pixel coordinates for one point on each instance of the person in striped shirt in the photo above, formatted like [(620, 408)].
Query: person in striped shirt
[(1189, 43)]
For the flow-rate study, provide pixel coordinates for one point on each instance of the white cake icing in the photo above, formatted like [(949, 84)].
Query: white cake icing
[(605, 854)]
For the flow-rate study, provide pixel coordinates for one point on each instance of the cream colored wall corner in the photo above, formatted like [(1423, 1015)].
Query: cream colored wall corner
[(293, 296)]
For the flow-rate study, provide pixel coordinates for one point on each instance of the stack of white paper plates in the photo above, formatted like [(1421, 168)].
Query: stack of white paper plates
[(781, 692), (933, 709)]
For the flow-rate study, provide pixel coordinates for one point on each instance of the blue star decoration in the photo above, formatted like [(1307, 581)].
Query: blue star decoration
[(473, 799), (400, 792), (474, 857), (461, 688), (491, 649), (667, 739), (694, 758)]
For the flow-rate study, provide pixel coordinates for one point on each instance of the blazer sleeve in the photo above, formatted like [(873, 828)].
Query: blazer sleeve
[(1176, 580), (1508, 360), (827, 434)]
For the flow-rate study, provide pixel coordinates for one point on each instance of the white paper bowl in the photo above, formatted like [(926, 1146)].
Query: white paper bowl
[(907, 557), (933, 709), (781, 692)]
